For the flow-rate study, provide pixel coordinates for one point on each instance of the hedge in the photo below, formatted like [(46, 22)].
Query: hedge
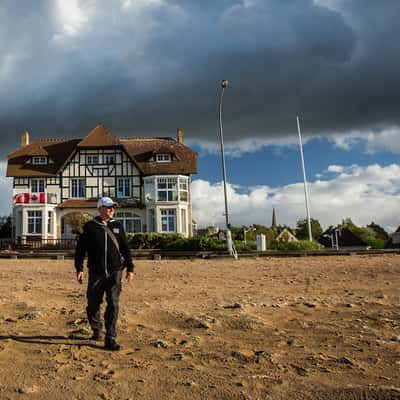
[(208, 243)]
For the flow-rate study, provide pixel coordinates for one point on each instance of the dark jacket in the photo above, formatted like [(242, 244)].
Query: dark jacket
[(103, 255)]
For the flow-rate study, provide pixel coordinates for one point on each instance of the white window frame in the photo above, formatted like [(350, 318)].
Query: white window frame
[(39, 160), (78, 188), (50, 222), (151, 225), (169, 186), (183, 188), (128, 218), (35, 221), (37, 184), (163, 157), (109, 159), (126, 188), (168, 220), (92, 159), (183, 220)]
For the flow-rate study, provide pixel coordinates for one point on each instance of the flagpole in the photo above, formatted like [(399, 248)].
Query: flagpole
[(305, 182)]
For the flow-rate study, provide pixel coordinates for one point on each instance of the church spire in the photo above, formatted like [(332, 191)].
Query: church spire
[(273, 218)]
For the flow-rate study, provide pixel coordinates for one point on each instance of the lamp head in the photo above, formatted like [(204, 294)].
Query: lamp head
[(224, 83)]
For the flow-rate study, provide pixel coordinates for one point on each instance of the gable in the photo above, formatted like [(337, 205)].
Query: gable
[(57, 151)]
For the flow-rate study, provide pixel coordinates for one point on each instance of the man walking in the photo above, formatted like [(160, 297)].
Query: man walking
[(104, 240)]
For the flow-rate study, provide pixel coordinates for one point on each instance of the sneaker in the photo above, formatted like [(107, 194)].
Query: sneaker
[(96, 335), (111, 344)]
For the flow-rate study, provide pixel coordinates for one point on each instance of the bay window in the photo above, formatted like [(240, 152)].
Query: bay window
[(168, 220), (37, 185), (50, 222), (183, 188), (183, 221), (167, 189), (34, 222), (152, 220)]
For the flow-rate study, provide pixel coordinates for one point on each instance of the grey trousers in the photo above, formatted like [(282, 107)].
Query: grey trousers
[(97, 286)]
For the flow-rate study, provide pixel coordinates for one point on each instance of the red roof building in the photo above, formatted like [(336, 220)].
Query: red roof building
[(148, 177)]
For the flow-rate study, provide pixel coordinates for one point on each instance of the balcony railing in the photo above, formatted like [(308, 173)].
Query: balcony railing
[(30, 243)]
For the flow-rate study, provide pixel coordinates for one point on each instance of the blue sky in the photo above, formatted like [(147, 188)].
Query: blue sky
[(147, 67), (277, 165)]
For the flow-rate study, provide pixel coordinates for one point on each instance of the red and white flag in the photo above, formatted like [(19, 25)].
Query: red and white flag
[(34, 198), (37, 198), (20, 198)]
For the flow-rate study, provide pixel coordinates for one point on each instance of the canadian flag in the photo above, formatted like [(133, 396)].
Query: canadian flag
[(34, 198), (20, 198), (37, 198)]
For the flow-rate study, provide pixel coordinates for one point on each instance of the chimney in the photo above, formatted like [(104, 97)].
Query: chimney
[(179, 135), (24, 138)]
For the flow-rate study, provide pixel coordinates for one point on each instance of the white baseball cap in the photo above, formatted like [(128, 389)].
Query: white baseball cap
[(106, 202)]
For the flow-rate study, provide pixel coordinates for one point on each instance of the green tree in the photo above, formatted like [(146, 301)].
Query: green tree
[(77, 220), (301, 230), (368, 234), (379, 231), (6, 229)]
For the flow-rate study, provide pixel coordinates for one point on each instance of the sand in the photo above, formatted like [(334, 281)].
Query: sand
[(289, 328)]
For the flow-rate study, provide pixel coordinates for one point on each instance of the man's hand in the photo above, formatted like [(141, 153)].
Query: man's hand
[(129, 276), (79, 276)]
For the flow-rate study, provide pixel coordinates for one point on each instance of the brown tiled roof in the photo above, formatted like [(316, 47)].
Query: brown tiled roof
[(38, 150), (78, 204), (57, 150), (141, 149), (99, 136)]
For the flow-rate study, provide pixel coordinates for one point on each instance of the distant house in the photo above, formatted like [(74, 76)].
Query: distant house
[(394, 240), (286, 236), (344, 236)]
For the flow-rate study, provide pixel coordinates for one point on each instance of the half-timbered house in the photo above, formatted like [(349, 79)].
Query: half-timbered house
[(149, 178)]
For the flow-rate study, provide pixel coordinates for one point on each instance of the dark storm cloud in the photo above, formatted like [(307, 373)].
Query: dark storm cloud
[(145, 67)]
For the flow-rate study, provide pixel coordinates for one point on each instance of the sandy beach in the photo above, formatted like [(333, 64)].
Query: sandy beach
[(289, 328)]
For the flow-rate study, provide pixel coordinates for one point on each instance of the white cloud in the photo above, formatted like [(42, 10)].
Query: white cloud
[(364, 194), (387, 139), (250, 145), (5, 190), (138, 4), (71, 17), (335, 168)]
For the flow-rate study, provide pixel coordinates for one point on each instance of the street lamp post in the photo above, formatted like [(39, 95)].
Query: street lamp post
[(337, 230), (230, 246), (244, 233)]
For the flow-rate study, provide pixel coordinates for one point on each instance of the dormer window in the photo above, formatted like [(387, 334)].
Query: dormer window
[(92, 159), (163, 157), (39, 160)]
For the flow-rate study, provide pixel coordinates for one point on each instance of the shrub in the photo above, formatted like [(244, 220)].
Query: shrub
[(299, 245), (174, 242), (251, 245)]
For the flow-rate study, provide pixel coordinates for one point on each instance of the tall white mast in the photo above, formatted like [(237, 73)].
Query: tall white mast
[(305, 182)]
